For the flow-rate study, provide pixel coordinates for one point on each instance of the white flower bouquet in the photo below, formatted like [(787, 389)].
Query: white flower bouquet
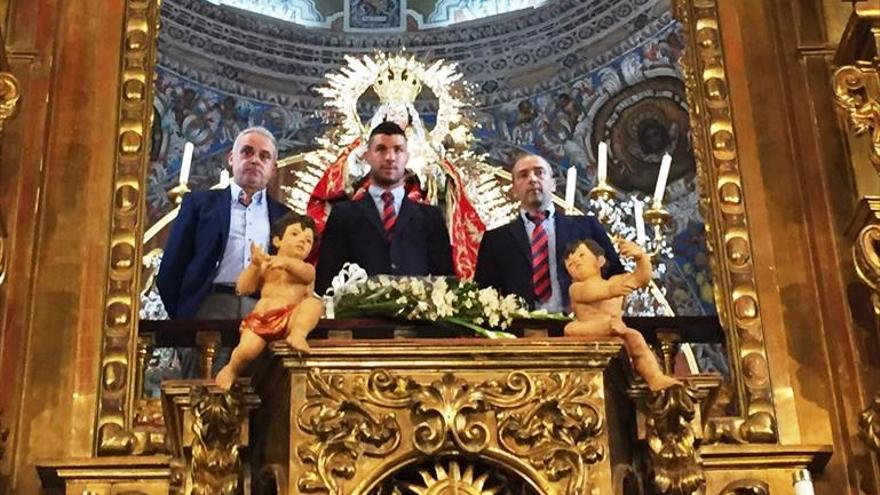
[(438, 299)]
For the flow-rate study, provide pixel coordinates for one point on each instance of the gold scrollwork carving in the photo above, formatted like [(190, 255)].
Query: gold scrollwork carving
[(114, 426), (550, 421), (857, 94), (867, 261), (674, 459), (216, 466), (344, 428), (556, 430), (722, 204)]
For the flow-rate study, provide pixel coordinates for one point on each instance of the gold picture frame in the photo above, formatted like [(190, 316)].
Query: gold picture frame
[(722, 203)]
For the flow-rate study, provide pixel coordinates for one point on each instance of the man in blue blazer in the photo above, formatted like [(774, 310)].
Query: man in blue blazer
[(209, 243), (384, 231), (525, 257)]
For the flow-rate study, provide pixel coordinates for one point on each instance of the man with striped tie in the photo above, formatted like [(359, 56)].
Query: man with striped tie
[(525, 257), (384, 231)]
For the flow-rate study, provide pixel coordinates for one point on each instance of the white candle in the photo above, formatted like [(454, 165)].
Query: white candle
[(660, 188), (602, 171), (224, 178), (803, 483), (570, 186), (640, 222), (188, 149)]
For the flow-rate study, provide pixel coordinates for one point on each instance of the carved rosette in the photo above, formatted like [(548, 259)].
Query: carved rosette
[(722, 204), (550, 420), (114, 435), (216, 467), (857, 94), (674, 459)]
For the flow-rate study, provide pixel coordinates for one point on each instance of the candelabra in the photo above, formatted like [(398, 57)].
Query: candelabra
[(626, 217), (614, 212), (176, 193)]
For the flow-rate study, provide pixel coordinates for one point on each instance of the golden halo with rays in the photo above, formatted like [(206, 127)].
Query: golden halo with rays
[(450, 480)]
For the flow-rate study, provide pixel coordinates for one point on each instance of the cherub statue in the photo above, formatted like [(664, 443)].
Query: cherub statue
[(288, 307), (598, 303)]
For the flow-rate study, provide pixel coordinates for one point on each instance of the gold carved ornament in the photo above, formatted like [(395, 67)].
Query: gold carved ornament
[(117, 394), (722, 205), (857, 94), (867, 261), (869, 424), (9, 96), (449, 477), (216, 466), (674, 459), (550, 421)]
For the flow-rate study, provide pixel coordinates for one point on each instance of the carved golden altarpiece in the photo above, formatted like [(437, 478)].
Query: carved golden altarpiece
[(857, 94)]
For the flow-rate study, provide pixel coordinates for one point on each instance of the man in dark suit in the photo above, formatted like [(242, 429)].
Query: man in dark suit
[(209, 244), (384, 231), (525, 257)]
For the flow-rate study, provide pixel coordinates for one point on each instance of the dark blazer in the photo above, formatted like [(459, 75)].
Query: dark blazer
[(195, 248), (505, 257), (354, 233)]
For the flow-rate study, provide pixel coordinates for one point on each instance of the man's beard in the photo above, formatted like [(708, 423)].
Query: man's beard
[(535, 199)]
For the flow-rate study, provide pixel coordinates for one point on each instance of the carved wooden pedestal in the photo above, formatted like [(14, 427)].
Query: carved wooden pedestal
[(418, 416)]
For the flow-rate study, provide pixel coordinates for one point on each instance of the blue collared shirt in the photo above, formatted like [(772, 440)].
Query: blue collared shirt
[(246, 224), (376, 193), (554, 303)]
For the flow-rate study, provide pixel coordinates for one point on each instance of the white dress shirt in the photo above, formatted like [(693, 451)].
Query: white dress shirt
[(246, 224)]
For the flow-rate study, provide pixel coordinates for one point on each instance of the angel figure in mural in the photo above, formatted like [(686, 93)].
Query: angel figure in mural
[(288, 308), (598, 304)]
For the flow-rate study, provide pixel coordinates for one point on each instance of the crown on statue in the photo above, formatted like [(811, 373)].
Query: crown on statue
[(399, 82)]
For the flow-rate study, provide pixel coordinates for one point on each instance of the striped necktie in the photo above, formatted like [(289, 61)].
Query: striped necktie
[(540, 259), (389, 216)]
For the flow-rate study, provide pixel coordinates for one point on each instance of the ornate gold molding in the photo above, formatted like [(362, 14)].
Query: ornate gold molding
[(114, 434), (857, 94), (548, 420), (722, 204), (675, 463), (216, 466)]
